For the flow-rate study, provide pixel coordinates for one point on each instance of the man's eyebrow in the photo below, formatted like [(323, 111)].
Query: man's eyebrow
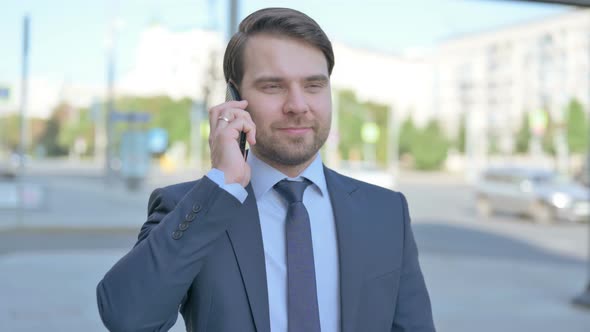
[(276, 79), (267, 79), (316, 78)]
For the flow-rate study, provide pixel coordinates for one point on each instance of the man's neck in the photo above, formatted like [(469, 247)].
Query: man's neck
[(291, 171)]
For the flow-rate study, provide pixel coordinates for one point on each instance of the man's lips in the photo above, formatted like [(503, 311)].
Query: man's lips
[(295, 130)]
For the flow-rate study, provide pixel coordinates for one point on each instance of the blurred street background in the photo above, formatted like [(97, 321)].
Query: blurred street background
[(478, 111)]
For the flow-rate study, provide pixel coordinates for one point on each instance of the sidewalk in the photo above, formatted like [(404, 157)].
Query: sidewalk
[(56, 292), (495, 275)]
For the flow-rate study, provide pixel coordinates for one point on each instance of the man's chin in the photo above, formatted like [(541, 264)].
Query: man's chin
[(288, 155), (298, 158)]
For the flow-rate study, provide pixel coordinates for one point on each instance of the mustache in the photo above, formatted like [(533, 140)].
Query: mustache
[(295, 122)]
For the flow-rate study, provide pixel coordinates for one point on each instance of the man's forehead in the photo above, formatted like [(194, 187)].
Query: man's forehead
[(269, 37), (272, 56)]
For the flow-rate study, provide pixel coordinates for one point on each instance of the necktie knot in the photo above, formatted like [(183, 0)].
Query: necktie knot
[(292, 191)]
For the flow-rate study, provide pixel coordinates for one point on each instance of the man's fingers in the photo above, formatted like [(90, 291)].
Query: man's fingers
[(216, 110), (236, 126), (225, 111), (229, 104)]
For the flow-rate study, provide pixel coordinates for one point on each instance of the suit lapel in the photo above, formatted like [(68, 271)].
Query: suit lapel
[(351, 237), (246, 238)]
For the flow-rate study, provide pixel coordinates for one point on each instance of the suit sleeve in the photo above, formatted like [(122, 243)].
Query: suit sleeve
[(413, 311), (144, 290)]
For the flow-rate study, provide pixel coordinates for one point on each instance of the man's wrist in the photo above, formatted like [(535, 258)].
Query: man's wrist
[(235, 189)]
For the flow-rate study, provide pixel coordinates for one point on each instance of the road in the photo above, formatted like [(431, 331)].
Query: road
[(502, 274)]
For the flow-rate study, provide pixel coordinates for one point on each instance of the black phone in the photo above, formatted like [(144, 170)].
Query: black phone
[(232, 93)]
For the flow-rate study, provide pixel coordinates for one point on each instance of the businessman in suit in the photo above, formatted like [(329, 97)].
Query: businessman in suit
[(278, 242)]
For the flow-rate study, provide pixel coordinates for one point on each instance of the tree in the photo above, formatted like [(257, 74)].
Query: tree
[(461, 137), (174, 116), (352, 116), (10, 134), (49, 140), (523, 136), (577, 127), (350, 121), (548, 139), (429, 147), (380, 115), (82, 128), (406, 136)]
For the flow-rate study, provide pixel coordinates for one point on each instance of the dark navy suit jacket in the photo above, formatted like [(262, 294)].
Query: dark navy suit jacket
[(201, 253)]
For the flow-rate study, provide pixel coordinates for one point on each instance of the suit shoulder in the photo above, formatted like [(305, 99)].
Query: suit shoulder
[(365, 186), (176, 191)]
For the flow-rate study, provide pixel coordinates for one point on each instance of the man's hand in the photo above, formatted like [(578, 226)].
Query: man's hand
[(227, 120)]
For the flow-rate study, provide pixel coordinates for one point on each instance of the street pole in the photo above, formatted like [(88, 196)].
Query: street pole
[(23, 120), (99, 132), (584, 298), (24, 94), (197, 111), (233, 17), (109, 105), (334, 137), (394, 128)]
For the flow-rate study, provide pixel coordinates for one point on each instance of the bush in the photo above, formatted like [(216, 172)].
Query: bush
[(577, 128), (429, 147)]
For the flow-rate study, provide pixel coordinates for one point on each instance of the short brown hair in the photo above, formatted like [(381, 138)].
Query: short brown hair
[(275, 21)]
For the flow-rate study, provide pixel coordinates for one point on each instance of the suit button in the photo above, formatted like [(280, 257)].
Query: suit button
[(177, 235), (196, 208), (190, 216), (183, 226)]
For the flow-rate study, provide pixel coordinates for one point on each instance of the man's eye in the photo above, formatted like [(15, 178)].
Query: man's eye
[(314, 87), (271, 88)]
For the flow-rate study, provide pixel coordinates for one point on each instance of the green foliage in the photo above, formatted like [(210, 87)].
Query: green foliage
[(352, 115), (49, 139), (380, 115), (523, 136), (577, 127), (429, 147), (350, 121), (82, 128), (10, 131), (61, 132), (547, 141), (494, 144), (461, 137), (174, 116), (407, 134)]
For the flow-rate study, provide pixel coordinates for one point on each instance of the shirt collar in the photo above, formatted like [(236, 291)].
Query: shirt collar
[(264, 176)]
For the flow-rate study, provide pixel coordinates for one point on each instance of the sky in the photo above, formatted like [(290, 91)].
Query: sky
[(68, 37)]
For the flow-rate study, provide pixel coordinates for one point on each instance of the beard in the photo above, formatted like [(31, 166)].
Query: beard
[(291, 151)]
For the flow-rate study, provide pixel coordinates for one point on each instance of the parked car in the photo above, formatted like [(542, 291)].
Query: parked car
[(540, 194), (7, 169), (583, 175)]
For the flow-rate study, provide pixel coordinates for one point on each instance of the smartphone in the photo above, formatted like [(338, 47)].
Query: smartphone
[(231, 93)]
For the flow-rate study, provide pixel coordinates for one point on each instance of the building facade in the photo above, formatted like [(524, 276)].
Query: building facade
[(493, 78)]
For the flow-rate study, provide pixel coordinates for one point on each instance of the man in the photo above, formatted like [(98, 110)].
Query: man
[(243, 250)]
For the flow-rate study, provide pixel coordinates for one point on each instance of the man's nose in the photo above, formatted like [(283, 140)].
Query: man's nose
[(296, 101)]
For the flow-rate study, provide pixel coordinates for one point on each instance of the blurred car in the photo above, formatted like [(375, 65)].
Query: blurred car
[(583, 175), (7, 169), (540, 194)]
